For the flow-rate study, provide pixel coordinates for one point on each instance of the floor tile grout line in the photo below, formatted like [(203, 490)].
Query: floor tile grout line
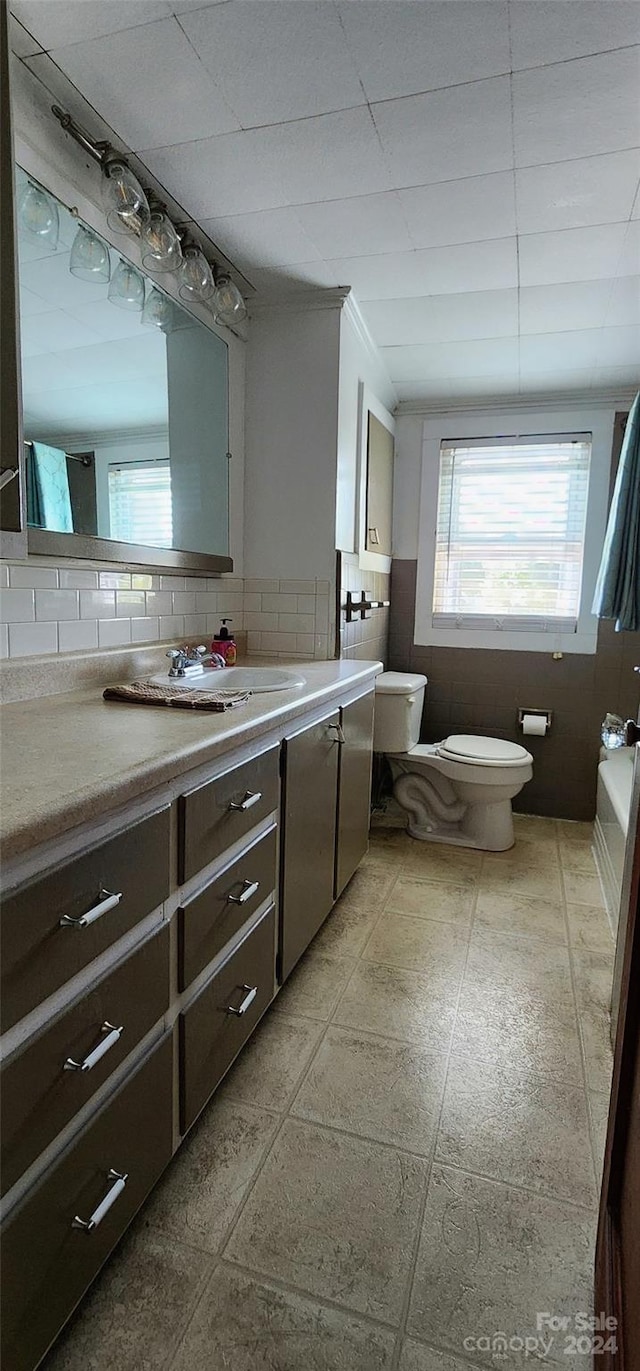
[(290, 1287), (411, 1274)]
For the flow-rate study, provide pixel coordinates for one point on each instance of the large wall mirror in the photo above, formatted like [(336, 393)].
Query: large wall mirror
[(125, 403)]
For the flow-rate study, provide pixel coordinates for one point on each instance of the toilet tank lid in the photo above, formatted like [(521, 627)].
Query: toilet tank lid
[(399, 682), (483, 749)]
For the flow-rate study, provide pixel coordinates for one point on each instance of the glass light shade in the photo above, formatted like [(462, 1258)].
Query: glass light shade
[(158, 311), (161, 246), (38, 214), (196, 276), (124, 200), (227, 304), (126, 288), (89, 257)]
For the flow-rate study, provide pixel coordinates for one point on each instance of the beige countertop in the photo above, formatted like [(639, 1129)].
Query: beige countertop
[(72, 757)]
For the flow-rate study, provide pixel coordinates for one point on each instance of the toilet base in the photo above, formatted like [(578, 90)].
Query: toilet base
[(466, 815), (488, 827)]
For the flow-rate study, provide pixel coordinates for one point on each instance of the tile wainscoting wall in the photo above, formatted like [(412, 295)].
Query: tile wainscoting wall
[(477, 690), (364, 639), (46, 609)]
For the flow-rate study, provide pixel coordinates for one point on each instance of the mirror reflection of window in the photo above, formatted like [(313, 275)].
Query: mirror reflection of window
[(125, 376), (140, 503)]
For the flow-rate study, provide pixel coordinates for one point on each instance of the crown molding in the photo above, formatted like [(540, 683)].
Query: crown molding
[(317, 297), (557, 400), (353, 313)]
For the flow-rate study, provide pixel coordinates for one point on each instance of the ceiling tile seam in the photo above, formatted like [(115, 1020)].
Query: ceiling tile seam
[(508, 337), (208, 74), (580, 57), (101, 37)]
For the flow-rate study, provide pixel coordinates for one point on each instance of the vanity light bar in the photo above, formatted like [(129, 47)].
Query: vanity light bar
[(133, 208)]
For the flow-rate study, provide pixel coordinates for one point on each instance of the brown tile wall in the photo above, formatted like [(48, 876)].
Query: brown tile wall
[(477, 690), (366, 639)]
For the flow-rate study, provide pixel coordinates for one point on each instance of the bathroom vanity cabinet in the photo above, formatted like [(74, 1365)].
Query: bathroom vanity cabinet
[(136, 966)]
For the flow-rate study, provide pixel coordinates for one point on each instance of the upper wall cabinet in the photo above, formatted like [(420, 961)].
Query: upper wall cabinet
[(376, 445)]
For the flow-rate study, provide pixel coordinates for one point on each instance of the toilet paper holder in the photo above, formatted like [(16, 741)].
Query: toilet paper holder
[(546, 714)]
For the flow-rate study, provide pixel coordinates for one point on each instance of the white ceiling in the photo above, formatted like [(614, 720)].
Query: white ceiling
[(470, 167)]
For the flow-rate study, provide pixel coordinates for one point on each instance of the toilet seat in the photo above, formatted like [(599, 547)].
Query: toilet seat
[(480, 751)]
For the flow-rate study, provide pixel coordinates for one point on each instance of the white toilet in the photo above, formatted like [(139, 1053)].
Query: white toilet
[(457, 791)]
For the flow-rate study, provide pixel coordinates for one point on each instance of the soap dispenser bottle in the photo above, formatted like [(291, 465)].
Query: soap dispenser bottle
[(224, 644)]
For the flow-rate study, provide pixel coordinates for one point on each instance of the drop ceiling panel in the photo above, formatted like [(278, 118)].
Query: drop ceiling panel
[(577, 305), (546, 31), (462, 131), (150, 84), (439, 361), (571, 351), (585, 254), (435, 271), (623, 307), (445, 318), (330, 157), (270, 237), (361, 225), (402, 49), (301, 47), (590, 190), (45, 332), (460, 211), (617, 345), (577, 109), (58, 22), (238, 173)]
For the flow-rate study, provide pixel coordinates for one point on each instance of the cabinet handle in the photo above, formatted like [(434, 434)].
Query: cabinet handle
[(250, 996), (100, 1051), (338, 732), (119, 1179), (107, 901), (248, 889), (250, 798)]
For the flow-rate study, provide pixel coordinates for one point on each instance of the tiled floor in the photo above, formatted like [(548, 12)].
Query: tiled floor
[(405, 1160)]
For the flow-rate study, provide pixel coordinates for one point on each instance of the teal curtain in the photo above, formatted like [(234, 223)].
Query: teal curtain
[(48, 496), (617, 593)]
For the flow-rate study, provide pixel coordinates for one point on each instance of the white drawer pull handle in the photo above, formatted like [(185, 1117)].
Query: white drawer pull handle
[(119, 1179), (338, 732), (107, 901), (248, 889), (112, 1036), (250, 799), (250, 996)]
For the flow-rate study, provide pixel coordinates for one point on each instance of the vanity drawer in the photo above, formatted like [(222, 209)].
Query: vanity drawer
[(218, 813), (39, 1094), (216, 1026), (47, 1263), (213, 916), (41, 952)]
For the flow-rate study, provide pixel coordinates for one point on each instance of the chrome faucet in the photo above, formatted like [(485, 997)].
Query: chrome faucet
[(189, 661)]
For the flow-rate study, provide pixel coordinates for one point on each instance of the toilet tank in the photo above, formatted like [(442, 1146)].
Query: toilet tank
[(398, 711)]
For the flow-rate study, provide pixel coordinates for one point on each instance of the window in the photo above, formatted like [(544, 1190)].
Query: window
[(140, 503), (511, 521), (510, 533)]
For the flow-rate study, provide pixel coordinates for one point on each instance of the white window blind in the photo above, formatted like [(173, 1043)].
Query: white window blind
[(140, 503), (510, 532)]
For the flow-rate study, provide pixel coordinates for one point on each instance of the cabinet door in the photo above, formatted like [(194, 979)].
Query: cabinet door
[(354, 788), (379, 487), (309, 810)]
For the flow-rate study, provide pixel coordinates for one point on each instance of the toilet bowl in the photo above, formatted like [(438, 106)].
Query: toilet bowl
[(456, 791)]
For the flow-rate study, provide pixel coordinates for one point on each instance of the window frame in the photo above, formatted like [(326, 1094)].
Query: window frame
[(459, 426)]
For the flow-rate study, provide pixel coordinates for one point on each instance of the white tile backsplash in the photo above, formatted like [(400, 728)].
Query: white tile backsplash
[(73, 609), (55, 605), (77, 635), (29, 640)]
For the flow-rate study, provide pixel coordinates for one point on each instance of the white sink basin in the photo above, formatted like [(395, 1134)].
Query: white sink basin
[(257, 678)]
